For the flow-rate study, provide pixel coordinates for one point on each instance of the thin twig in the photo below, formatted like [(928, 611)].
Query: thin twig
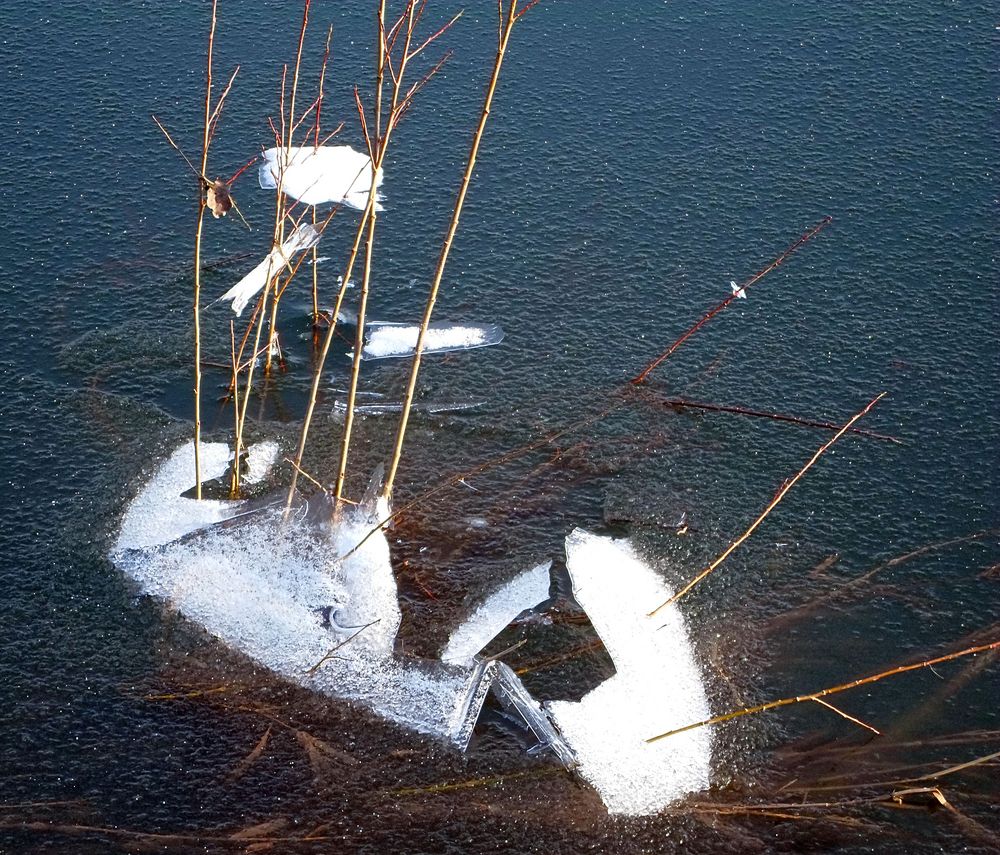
[(771, 506), (843, 687)]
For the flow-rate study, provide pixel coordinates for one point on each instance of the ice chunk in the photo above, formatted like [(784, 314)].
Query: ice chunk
[(384, 340), (392, 407), (261, 584), (302, 238), (515, 697), (495, 613), (160, 513), (657, 686), (318, 176)]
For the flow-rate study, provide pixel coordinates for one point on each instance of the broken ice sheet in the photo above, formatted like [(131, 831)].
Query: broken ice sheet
[(383, 339), (392, 407), (261, 586), (657, 685), (318, 176), (496, 612), (302, 238)]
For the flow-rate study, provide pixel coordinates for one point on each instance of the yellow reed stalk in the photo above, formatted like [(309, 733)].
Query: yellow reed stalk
[(507, 20), (822, 693), (771, 506)]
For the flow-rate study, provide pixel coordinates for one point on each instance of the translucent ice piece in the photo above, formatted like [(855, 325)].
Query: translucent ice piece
[(514, 697), (318, 176), (160, 513), (657, 686), (392, 407), (302, 238), (495, 613), (384, 340)]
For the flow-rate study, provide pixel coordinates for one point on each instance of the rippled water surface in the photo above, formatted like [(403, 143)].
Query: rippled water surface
[(640, 155)]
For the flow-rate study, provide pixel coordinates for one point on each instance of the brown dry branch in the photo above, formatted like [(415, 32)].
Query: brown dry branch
[(244, 765), (780, 417), (843, 687), (771, 506), (815, 230)]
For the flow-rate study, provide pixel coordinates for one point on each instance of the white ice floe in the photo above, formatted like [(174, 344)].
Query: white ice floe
[(495, 613), (386, 408), (739, 293), (263, 587), (383, 339), (657, 686), (302, 238), (316, 602), (319, 176)]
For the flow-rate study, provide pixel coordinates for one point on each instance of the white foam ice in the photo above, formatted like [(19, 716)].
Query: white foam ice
[(262, 587), (159, 514), (494, 614), (383, 339), (657, 686), (320, 175), (303, 237)]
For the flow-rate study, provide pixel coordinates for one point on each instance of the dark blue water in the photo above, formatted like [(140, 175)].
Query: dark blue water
[(639, 157)]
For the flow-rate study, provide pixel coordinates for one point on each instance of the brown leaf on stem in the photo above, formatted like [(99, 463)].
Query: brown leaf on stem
[(217, 198)]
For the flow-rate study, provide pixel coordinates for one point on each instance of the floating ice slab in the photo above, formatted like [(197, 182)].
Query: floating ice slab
[(383, 340), (302, 238), (657, 686), (392, 407), (262, 586), (496, 612), (318, 176)]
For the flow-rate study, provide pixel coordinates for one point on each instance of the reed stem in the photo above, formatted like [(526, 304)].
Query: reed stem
[(771, 506), (505, 28), (202, 204)]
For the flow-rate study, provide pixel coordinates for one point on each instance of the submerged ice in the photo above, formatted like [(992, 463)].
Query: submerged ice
[(316, 602)]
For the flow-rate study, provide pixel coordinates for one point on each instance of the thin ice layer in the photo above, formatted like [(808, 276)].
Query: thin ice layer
[(657, 686), (383, 340), (302, 238), (262, 586), (393, 407), (319, 176), (160, 514), (495, 613)]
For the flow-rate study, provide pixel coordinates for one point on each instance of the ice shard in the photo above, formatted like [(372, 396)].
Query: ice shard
[(495, 613), (657, 686), (320, 175), (302, 238), (262, 586), (383, 339)]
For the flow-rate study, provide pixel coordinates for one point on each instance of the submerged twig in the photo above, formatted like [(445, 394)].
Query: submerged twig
[(771, 506), (843, 687), (737, 291), (779, 417)]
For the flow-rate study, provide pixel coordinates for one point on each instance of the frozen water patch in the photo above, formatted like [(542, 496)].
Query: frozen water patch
[(262, 587), (384, 340), (317, 604), (496, 612), (302, 238), (393, 407), (657, 686), (320, 176)]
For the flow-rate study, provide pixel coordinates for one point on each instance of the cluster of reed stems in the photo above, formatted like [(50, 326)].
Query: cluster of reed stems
[(398, 44)]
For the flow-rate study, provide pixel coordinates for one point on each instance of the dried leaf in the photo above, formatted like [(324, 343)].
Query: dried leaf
[(217, 198)]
